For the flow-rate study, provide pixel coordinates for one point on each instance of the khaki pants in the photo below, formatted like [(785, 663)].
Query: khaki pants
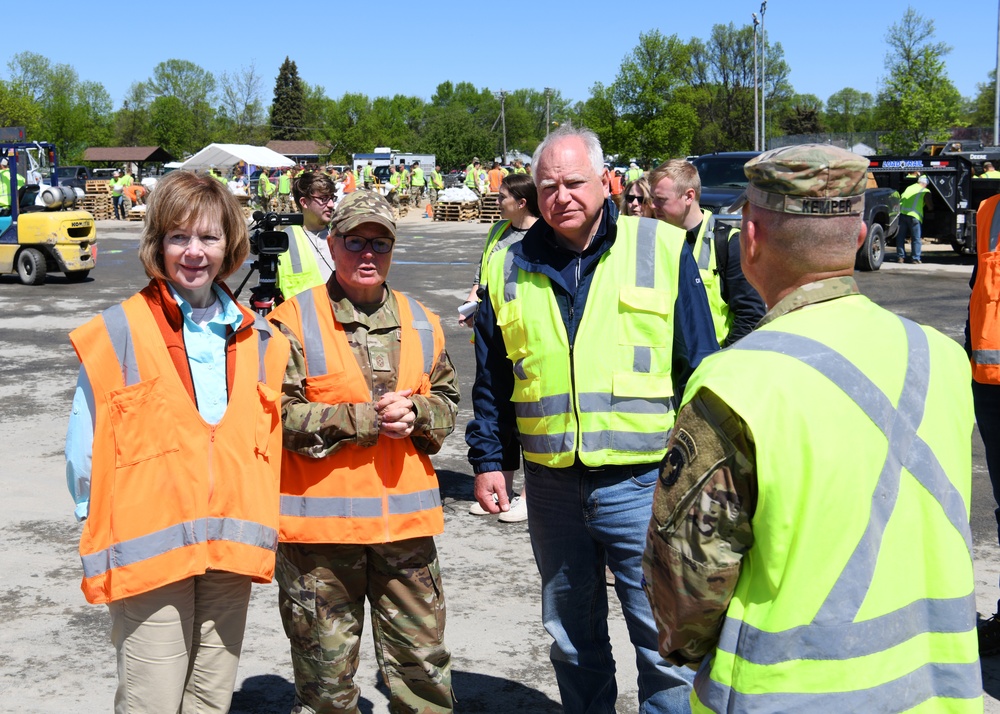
[(179, 646)]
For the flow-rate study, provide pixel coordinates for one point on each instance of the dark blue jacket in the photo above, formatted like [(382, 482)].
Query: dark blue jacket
[(492, 434)]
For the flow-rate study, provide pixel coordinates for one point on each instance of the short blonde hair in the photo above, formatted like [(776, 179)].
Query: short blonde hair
[(181, 198), (682, 173)]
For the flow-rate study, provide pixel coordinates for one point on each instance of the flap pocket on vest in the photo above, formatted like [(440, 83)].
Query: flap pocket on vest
[(643, 316), (143, 425), (633, 384), (268, 418), (332, 389), (511, 325)]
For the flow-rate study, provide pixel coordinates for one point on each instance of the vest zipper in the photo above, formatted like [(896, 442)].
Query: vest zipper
[(572, 363)]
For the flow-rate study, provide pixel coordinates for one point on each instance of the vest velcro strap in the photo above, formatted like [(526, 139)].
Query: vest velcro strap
[(181, 535), (353, 507), (954, 681), (116, 323), (628, 441), (599, 402), (851, 640), (546, 406), (986, 356)]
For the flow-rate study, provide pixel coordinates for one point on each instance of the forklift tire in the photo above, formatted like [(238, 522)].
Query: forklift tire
[(31, 267), (872, 251), (76, 276)]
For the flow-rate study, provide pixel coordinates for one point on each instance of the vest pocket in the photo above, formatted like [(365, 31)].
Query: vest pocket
[(642, 318), (330, 389), (511, 325), (143, 425), (268, 418)]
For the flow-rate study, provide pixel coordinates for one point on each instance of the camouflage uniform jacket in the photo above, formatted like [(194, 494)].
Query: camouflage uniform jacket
[(318, 430), (703, 510)]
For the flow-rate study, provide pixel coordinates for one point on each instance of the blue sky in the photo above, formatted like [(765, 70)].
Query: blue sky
[(409, 47)]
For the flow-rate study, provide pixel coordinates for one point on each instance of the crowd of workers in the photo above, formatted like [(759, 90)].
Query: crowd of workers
[(678, 392)]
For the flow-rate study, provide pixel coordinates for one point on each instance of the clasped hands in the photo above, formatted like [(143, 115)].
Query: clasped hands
[(396, 414)]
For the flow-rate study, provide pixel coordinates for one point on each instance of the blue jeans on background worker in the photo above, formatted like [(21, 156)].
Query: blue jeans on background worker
[(579, 520), (908, 226)]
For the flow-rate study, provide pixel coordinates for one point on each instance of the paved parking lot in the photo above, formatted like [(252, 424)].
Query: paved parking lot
[(55, 654)]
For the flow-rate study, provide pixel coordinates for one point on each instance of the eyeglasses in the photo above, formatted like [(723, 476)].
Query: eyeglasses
[(632, 197), (321, 199), (357, 244)]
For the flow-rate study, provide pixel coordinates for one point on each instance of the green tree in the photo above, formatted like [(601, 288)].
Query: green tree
[(241, 112), (194, 88), (170, 124), (918, 102), (18, 109), (982, 109), (288, 107), (131, 122), (849, 110)]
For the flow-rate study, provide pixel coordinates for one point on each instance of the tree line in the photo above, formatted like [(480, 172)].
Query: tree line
[(670, 97)]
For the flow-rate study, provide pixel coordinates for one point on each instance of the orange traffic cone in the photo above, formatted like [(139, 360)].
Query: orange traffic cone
[(429, 211)]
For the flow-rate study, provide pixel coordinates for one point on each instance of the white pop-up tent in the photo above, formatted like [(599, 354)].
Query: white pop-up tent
[(223, 156)]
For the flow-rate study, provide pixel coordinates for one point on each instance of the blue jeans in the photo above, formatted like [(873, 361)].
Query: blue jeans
[(908, 226), (579, 520)]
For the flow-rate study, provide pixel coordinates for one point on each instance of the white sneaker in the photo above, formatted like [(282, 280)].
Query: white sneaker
[(477, 510), (518, 511)]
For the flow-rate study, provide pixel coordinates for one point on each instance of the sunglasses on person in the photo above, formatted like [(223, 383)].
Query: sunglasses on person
[(356, 244), (633, 197)]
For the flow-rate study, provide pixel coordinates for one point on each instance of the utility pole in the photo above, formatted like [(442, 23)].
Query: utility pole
[(502, 119), (548, 120), (996, 88), (763, 78), (756, 106)]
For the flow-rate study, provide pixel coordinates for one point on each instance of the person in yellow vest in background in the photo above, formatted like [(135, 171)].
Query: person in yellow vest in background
[(173, 454), (307, 262), (5, 184), (418, 183), (369, 175), (634, 173), (265, 190), (284, 193), (911, 218), (359, 176), (217, 175), (370, 393), (404, 179), (810, 548), (982, 342), (437, 182), (472, 176), (989, 171), (393, 181), (117, 184), (676, 195)]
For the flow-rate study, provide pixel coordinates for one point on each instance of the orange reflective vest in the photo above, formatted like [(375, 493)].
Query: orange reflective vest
[(350, 185), (171, 495), (379, 494), (984, 303)]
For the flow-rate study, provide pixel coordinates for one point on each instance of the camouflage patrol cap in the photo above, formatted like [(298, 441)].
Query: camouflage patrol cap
[(362, 206), (807, 179)]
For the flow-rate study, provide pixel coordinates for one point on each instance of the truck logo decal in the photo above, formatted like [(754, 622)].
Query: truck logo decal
[(903, 164)]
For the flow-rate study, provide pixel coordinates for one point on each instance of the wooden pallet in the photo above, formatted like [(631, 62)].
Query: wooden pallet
[(489, 209), (135, 215), (97, 187), (456, 210), (100, 206)]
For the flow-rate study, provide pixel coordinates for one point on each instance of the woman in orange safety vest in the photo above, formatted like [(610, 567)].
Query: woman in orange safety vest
[(173, 455)]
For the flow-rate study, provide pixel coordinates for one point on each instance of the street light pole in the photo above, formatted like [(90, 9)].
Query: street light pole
[(763, 77), (756, 107), (996, 88)]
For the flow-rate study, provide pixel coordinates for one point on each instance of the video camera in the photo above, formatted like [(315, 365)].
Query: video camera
[(267, 244)]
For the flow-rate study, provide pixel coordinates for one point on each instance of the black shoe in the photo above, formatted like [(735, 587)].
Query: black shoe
[(989, 636), (915, 261)]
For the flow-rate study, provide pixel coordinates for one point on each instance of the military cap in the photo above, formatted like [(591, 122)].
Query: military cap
[(362, 206), (807, 179)]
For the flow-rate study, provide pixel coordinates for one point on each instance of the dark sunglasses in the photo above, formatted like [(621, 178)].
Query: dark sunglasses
[(632, 197), (356, 244)]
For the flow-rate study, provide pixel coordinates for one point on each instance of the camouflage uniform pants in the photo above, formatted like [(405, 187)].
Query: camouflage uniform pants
[(322, 603), (417, 192), (284, 203)]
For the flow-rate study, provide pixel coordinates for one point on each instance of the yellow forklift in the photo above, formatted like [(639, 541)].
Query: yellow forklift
[(40, 230)]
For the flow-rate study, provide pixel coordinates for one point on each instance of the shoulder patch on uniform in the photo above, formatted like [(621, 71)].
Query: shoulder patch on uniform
[(686, 441), (671, 466)]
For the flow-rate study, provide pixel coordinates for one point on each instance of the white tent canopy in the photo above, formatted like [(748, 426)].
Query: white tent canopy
[(223, 156)]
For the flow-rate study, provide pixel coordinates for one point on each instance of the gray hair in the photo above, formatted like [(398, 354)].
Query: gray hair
[(566, 131)]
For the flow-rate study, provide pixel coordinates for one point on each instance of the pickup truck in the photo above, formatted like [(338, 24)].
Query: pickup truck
[(723, 181), (77, 176)]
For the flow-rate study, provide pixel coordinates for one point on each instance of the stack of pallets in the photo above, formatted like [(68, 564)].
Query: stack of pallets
[(97, 187), (456, 210), (136, 214), (489, 208), (100, 206)]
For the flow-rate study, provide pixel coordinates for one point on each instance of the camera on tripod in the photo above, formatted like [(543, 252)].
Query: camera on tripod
[(267, 244)]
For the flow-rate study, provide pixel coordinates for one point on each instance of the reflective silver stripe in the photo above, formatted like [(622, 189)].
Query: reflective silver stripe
[(180, 535), (263, 328), (854, 639), (509, 277), (347, 507), (994, 230), (833, 634), (597, 402), (642, 359), (404, 503), (986, 356), (645, 253), (519, 369), (546, 406), (958, 681), (116, 323), (648, 442), (312, 338), (705, 254), (547, 443), (293, 250), (425, 329)]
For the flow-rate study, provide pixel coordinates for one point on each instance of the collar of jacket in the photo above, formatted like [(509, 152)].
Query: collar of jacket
[(539, 248)]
